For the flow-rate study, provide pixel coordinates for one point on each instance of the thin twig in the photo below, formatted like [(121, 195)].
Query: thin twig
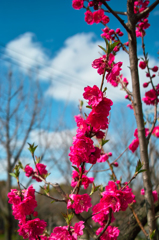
[(107, 224), (117, 12), (138, 221), (55, 185)]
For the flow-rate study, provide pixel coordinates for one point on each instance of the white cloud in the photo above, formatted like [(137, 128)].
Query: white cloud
[(52, 140), (70, 70), (26, 52)]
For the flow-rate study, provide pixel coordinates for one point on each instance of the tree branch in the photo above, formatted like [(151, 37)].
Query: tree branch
[(116, 15), (117, 12), (141, 15)]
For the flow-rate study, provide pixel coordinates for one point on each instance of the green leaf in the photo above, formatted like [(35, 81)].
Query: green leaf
[(139, 166), (32, 148), (77, 170), (105, 89), (102, 48), (104, 142), (101, 189), (81, 103), (13, 175), (107, 43), (112, 46), (52, 201), (88, 107), (143, 170), (152, 234), (94, 188)]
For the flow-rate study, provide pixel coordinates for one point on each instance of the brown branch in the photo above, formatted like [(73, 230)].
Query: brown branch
[(141, 15), (47, 195), (138, 221), (117, 12), (107, 224), (116, 15), (55, 185)]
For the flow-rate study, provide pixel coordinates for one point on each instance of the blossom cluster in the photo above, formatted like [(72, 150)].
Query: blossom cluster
[(40, 169), (23, 205)]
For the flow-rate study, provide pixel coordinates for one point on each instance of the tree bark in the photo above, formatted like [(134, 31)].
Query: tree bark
[(129, 228), (139, 116)]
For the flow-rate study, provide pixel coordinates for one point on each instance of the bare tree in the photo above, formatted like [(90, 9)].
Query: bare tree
[(21, 105)]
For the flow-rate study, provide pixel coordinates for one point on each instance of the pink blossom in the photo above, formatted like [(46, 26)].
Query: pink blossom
[(100, 214), (91, 4), (155, 131), (105, 19), (111, 233), (93, 94), (80, 203), (125, 82), (83, 127), (77, 4), (61, 233), (142, 64), (98, 16), (98, 117), (130, 106), (14, 197), (154, 69), (89, 17), (142, 191), (81, 150), (78, 229), (134, 145), (85, 180), (28, 171), (112, 76), (155, 195), (32, 229), (40, 169), (136, 132), (150, 97), (103, 158)]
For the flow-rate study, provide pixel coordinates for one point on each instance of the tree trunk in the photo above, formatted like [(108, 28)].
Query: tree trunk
[(139, 116)]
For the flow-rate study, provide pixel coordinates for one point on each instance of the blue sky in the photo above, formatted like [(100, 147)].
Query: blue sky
[(54, 37)]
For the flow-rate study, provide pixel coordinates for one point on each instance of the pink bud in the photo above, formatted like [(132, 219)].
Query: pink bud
[(117, 30), (91, 4), (147, 75), (115, 164), (145, 85), (127, 96), (35, 214), (154, 75), (120, 34), (111, 32), (109, 154), (118, 181), (134, 201), (127, 44), (142, 65), (154, 69), (142, 192), (130, 106)]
